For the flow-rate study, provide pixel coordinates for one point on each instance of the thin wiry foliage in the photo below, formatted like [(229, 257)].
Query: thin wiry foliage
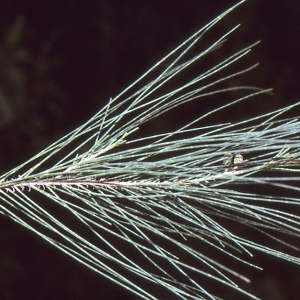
[(154, 207)]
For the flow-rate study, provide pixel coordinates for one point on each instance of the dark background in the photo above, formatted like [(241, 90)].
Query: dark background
[(60, 61)]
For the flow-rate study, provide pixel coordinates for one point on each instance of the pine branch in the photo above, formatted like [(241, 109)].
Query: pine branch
[(157, 207)]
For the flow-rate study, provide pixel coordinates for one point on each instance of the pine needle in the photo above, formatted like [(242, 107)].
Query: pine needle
[(158, 207)]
